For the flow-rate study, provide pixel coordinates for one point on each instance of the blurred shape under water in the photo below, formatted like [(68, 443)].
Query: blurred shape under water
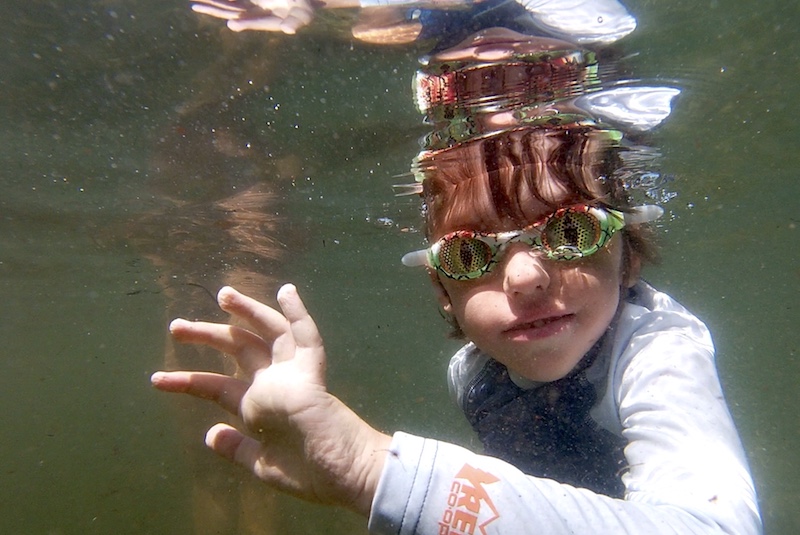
[(220, 221)]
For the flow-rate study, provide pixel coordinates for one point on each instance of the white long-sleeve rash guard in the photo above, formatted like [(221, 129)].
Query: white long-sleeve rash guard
[(686, 469)]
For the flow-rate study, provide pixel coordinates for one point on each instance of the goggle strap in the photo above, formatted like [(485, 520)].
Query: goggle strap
[(415, 258), (643, 214)]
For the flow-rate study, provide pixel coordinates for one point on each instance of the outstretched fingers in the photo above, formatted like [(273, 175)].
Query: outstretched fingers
[(250, 350), (304, 330), (224, 390), (304, 334), (262, 319)]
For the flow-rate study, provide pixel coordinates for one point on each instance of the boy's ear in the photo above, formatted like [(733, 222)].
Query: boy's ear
[(441, 294)]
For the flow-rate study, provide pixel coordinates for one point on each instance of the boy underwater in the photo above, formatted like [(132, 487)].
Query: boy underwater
[(596, 397)]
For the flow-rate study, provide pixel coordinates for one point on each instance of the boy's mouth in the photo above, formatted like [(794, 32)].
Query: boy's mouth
[(541, 326)]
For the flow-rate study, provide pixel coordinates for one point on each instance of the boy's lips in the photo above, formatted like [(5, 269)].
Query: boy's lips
[(539, 327)]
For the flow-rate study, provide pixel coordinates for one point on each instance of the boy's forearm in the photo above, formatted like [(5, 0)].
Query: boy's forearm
[(430, 487), (376, 448)]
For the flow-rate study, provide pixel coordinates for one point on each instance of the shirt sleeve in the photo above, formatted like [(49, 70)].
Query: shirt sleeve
[(683, 448), (432, 487)]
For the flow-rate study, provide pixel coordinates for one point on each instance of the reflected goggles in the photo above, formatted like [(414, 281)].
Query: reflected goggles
[(570, 233)]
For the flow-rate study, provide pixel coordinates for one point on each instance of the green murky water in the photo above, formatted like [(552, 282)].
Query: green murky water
[(125, 127)]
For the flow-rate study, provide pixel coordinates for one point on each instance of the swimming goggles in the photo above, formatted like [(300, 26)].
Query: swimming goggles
[(570, 233)]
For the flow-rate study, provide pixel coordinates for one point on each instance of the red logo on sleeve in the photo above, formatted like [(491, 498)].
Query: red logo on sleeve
[(469, 505)]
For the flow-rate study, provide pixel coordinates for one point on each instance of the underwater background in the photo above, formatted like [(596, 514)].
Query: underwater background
[(148, 156)]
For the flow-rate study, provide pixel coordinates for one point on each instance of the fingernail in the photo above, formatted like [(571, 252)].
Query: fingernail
[(176, 323), (286, 288), (225, 294), (211, 434)]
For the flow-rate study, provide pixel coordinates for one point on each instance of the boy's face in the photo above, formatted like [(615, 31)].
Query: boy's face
[(538, 317)]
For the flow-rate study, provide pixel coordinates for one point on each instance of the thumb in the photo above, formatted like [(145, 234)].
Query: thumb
[(229, 443)]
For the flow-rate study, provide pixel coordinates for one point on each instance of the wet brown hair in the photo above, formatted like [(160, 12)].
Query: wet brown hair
[(496, 174)]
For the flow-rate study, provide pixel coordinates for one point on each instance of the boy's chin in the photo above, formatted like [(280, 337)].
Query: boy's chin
[(545, 372)]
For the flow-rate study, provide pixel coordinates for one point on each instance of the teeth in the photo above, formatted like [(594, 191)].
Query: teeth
[(537, 324)]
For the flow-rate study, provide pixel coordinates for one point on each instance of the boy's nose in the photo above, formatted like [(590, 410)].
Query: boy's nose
[(524, 270)]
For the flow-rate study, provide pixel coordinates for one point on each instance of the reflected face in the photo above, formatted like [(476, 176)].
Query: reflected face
[(538, 317)]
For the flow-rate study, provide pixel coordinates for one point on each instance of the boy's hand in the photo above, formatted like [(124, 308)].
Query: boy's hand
[(294, 435), (285, 16)]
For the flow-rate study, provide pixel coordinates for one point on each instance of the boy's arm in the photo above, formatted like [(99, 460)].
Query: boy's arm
[(293, 434), (430, 486)]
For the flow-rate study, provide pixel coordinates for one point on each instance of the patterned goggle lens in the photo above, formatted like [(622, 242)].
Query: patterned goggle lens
[(568, 234)]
